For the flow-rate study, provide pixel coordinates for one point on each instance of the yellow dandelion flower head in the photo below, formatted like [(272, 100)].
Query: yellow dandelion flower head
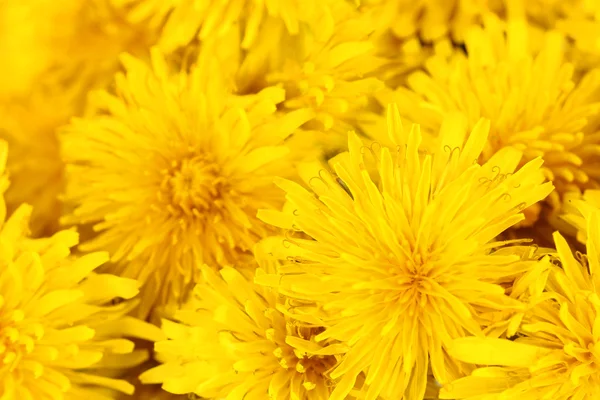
[(400, 260), (76, 44), (172, 170), (236, 339), (330, 71), (535, 103), (94, 34), (556, 353), (59, 327), (181, 21)]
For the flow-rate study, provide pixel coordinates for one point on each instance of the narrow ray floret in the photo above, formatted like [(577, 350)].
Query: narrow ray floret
[(172, 170), (557, 351), (61, 335), (236, 340), (405, 262)]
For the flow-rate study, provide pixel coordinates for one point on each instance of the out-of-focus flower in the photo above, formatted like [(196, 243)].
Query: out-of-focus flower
[(56, 54), (34, 163), (534, 102), (401, 261)]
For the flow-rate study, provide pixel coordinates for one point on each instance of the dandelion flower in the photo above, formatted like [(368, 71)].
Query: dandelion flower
[(59, 330), (34, 161), (535, 103), (237, 340), (555, 354), (332, 72), (172, 170), (400, 261)]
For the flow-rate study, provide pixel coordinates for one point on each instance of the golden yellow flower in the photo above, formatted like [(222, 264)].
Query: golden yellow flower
[(401, 261), (555, 355), (60, 333), (236, 339), (76, 44), (172, 170), (330, 72), (75, 47), (331, 69), (534, 102)]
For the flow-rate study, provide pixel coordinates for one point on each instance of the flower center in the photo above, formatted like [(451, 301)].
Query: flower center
[(15, 342), (192, 186), (312, 367)]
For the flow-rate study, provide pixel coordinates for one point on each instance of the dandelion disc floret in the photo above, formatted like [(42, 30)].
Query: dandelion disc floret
[(557, 351), (60, 336), (235, 339), (172, 170), (400, 261)]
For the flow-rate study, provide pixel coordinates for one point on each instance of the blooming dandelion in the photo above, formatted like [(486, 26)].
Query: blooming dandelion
[(533, 100), (402, 264), (172, 170), (237, 340), (331, 72), (60, 336), (555, 355)]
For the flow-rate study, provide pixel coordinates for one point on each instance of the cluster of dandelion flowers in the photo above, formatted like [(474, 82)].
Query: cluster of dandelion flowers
[(60, 335), (402, 262), (172, 170), (556, 353), (236, 339), (534, 101)]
